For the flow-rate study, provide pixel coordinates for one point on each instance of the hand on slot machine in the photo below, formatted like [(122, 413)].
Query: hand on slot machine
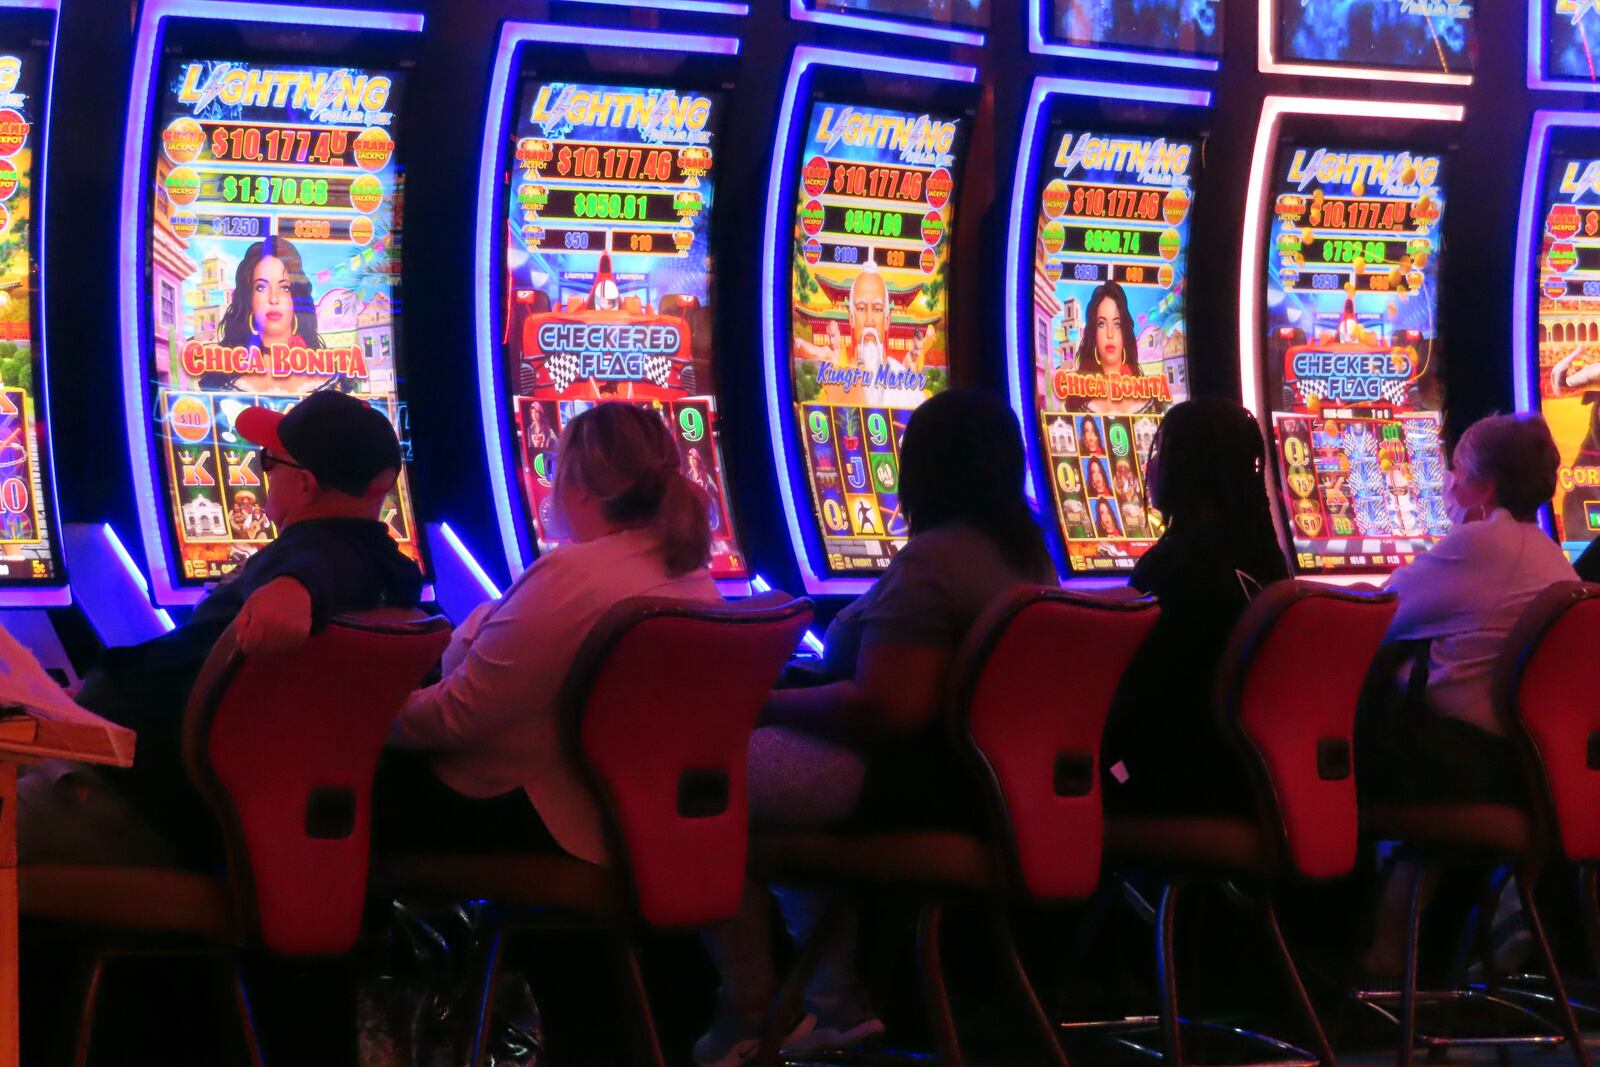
[(275, 619)]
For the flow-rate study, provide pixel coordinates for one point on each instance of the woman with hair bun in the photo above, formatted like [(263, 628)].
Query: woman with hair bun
[(487, 770)]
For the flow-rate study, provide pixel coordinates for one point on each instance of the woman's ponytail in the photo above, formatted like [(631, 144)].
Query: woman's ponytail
[(683, 524)]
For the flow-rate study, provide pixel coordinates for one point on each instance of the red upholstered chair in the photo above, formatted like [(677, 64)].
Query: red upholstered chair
[(1033, 747), (284, 751), (1287, 692), (659, 706), (1549, 705)]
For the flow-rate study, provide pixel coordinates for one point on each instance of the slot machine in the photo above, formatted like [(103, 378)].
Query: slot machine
[(1096, 274), (598, 219), (1556, 312), (1343, 358), (864, 198), (262, 199)]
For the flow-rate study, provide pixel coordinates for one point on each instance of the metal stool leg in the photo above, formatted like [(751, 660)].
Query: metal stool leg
[(1167, 975), (1044, 1029), (1527, 880), (1291, 973), (87, 1005), (946, 1042), (1485, 943), (1408, 987), (787, 1006), (242, 1013), (491, 986), (644, 1019)]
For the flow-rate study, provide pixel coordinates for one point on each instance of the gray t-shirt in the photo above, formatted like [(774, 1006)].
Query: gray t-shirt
[(929, 596)]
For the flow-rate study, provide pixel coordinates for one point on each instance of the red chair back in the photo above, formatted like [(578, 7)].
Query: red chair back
[(660, 701), (1290, 684), (1550, 701), (1037, 732), (284, 749)]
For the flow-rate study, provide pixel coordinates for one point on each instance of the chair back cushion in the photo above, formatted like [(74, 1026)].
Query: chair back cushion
[(1551, 702), (284, 749), (659, 707), (1035, 725), (1289, 686)]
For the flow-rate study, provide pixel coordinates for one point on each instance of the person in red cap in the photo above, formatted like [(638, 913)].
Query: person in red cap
[(329, 462)]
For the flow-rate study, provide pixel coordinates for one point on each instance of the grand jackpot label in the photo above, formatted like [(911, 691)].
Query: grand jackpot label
[(874, 203), (1353, 357), (610, 277), (1566, 278), (28, 534), (1110, 347), (274, 268)]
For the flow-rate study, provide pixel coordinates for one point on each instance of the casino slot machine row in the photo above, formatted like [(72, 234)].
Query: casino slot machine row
[(607, 258), (1101, 336), (271, 214), (862, 275), (1352, 371)]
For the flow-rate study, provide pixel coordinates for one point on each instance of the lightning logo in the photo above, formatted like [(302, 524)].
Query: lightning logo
[(1154, 162)]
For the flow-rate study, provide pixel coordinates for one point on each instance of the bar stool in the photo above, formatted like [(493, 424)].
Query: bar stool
[(283, 750)]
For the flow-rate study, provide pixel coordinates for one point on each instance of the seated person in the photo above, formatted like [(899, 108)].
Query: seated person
[(481, 766), (329, 462), (1463, 596), (867, 745), (1163, 753)]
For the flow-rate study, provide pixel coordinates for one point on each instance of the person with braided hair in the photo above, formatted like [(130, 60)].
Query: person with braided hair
[(476, 760)]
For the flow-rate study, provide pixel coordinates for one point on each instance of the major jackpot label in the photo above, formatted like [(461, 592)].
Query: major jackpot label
[(1352, 353), (1566, 276), (1110, 348), (610, 281), (274, 264), (874, 203), (27, 533)]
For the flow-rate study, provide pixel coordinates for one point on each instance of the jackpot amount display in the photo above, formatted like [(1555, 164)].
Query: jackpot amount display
[(609, 270), (1352, 351), (1566, 276), (874, 201), (1572, 39), (28, 532), (1438, 36), (1187, 27), (274, 264), (1110, 261)]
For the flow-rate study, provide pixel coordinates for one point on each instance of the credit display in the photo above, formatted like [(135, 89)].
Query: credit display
[(869, 310), (961, 13), (29, 534), (1110, 262), (1573, 38), (1184, 27), (1435, 36), (1566, 276), (609, 270), (274, 272), (1353, 372)]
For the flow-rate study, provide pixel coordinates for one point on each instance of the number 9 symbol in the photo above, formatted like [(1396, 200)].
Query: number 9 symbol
[(833, 515), (692, 425), (1119, 439), (817, 422), (878, 429)]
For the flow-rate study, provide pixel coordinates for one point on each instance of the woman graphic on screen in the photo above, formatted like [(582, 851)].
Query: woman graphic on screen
[(1109, 348), (272, 304), (1099, 485)]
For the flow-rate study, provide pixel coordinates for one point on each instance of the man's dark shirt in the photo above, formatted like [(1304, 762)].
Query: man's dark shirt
[(345, 565)]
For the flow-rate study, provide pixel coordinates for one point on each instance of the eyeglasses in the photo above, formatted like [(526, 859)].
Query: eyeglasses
[(269, 461)]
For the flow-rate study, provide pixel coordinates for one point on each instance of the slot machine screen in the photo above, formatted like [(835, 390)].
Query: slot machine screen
[(1566, 276), (966, 14), (1354, 365), (29, 534), (869, 310), (1572, 39), (1182, 27), (274, 271), (1110, 263), (610, 279), (1433, 36)]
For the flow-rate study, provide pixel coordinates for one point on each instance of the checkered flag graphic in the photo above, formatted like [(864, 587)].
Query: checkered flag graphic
[(658, 369), (1312, 389), (563, 369)]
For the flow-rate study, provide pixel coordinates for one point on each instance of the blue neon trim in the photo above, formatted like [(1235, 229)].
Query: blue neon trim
[(469, 561), (814, 643), (1022, 199), (519, 553), (133, 572), (800, 11), (778, 195), (1039, 44), (760, 585), (135, 156)]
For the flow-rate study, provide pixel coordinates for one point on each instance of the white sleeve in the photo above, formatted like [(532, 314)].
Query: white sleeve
[(1437, 589)]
